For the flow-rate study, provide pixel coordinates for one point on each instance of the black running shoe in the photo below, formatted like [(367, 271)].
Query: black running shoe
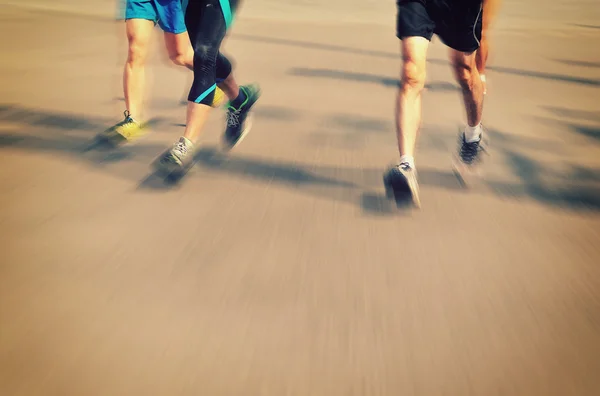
[(468, 158), (401, 185), (470, 152), (239, 119)]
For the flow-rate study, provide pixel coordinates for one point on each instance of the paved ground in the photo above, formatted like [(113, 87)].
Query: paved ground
[(281, 270)]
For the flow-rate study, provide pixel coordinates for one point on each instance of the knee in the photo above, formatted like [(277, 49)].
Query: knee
[(177, 59), (204, 56), (182, 59), (136, 55), (413, 77), (464, 72)]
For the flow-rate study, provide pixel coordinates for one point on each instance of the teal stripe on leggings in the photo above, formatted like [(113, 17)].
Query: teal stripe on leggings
[(205, 93), (226, 7)]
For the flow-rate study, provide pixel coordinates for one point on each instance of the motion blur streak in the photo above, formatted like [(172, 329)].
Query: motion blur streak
[(280, 269)]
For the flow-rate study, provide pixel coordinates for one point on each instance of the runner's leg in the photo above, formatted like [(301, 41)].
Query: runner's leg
[(139, 32), (415, 28), (490, 8)]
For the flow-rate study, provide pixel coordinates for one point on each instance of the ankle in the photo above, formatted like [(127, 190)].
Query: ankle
[(473, 133), (188, 142), (408, 159), (239, 100)]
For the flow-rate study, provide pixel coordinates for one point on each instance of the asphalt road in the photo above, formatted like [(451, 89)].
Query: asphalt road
[(281, 269)]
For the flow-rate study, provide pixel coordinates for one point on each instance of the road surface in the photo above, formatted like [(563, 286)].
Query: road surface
[(281, 269)]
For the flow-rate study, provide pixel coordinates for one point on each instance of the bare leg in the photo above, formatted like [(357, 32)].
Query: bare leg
[(472, 144), (198, 113), (207, 26), (180, 49), (401, 181), (490, 7), (465, 72), (408, 115), (230, 87), (195, 120), (139, 32), (482, 54), (181, 53)]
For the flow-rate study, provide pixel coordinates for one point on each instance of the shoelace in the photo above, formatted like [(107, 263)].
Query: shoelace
[(469, 151), (128, 121), (233, 118), (180, 150), (405, 166)]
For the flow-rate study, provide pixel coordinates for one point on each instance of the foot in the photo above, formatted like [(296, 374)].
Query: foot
[(469, 157), (124, 131), (401, 184), (470, 153), (177, 158), (239, 119)]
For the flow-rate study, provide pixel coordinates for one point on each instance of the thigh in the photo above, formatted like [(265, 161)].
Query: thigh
[(414, 57), (177, 44), (490, 9), (413, 20), (139, 33), (462, 61), (170, 16), (141, 9), (206, 24)]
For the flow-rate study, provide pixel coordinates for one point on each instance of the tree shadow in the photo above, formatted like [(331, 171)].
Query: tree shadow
[(585, 26), (593, 116), (313, 45), (546, 76), (577, 187), (590, 130), (573, 188), (355, 186), (393, 55), (41, 118), (73, 136), (578, 63)]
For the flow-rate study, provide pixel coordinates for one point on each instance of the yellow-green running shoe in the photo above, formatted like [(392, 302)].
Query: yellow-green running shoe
[(124, 131)]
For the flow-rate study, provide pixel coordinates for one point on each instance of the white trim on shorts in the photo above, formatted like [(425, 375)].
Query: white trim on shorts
[(475, 25)]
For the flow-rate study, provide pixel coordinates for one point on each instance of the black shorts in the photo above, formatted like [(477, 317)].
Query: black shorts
[(456, 22)]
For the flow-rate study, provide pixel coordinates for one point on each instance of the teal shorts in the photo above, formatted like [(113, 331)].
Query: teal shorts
[(168, 14)]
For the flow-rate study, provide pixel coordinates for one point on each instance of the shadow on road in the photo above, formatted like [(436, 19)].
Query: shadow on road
[(71, 135), (576, 186), (585, 26), (579, 115), (351, 185), (573, 188), (391, 55), (582, 122), (578, 63)]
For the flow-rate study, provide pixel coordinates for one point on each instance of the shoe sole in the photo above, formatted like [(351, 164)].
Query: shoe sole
[(115, 139), (398, 190), (467, 174), (170, 170)]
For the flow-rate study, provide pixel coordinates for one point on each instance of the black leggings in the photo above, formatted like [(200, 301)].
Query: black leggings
[(207, 22)]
